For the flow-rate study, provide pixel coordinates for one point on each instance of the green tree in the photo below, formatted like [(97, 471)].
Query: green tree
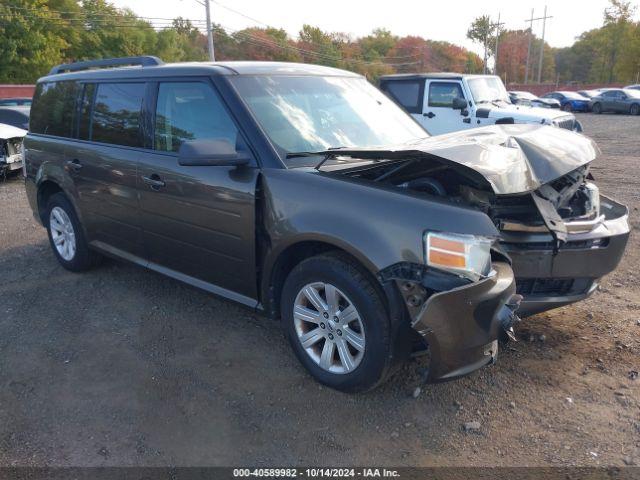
[(481, 31), (32, 40)]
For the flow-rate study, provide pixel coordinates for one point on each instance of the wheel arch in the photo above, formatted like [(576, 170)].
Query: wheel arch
[(280, 263)]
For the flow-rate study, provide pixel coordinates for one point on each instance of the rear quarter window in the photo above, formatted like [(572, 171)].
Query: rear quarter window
[(408, 93), (52, 112)]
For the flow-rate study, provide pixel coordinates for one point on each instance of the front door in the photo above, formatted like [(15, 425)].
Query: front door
[(197, 221), (438, 114)]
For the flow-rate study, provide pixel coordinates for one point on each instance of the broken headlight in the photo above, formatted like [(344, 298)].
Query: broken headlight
[(465, 255), (592, 205)]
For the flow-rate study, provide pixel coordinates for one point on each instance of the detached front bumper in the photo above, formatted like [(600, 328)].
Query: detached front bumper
[(462, 325), (548, 279)]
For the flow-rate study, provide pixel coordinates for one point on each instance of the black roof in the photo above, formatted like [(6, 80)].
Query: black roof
[(199, 69), (436, 75)]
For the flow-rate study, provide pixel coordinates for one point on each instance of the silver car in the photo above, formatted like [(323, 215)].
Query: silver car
[(619, 100)]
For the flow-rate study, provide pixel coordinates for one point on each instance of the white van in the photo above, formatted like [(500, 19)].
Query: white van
[(447, 102)]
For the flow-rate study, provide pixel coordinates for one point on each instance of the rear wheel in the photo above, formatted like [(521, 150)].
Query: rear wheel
[(597, 108), (67, 237), (635, 109), (336, 322)]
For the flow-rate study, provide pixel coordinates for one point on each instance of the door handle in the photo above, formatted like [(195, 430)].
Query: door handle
[(154, 181), (429, 115), (74, 165)]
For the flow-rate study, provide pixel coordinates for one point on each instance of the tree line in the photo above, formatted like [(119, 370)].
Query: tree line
[(37, 34), (610, 53)]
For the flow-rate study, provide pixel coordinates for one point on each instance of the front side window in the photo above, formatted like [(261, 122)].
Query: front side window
[(313, 113), (53, 108), (407, 93), (441, 94), (190, 111), (116, 114)]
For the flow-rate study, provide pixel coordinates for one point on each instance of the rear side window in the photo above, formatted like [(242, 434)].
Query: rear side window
[(407, 93), (116, 114), (190, 111), (441, 94), (53, 108)]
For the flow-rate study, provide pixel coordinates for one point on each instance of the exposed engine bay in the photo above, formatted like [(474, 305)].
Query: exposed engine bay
[(569, 198)]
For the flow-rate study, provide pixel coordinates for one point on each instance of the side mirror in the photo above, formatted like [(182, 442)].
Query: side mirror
[(211, 153), (459, 103)]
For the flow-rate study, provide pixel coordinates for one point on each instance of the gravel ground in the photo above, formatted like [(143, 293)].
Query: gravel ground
[(121, 366)]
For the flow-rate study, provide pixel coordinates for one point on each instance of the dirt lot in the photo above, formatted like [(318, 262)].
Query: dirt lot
[(121, 366)]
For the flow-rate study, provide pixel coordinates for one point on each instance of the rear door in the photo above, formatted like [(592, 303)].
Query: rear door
[(103, 162), (198, 221), (439, 116)]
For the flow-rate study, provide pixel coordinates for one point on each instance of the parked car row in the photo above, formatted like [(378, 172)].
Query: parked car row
[(619, 100), (14, 123), (307, 194)]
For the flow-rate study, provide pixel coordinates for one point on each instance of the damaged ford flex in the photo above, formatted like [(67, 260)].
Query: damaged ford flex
[(305, 193)]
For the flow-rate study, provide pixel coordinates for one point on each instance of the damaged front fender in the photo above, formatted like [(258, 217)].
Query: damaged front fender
[(463, 323)]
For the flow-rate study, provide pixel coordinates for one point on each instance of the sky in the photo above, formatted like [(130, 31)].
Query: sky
[(436, 20)]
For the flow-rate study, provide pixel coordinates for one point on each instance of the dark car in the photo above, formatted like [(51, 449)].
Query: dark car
[(303, 192), (528, 98), (570, 101), (617, 100), (21, 101), (16, 116)]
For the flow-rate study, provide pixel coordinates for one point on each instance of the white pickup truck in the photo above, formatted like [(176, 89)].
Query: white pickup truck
[(447, 102)]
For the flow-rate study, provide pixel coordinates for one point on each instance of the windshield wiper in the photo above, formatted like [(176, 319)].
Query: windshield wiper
[(302, 154), (310, 154)]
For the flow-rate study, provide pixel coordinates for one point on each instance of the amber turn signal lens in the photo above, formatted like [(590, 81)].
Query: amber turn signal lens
[(445, 259)]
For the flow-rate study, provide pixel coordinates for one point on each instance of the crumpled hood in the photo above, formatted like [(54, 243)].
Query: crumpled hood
[(512, 158), (9, 131), (525, 113)]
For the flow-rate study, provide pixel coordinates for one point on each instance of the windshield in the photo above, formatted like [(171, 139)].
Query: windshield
[(487, 89), (313, 113)]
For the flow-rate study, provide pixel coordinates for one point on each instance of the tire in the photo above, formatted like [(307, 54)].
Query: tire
[(354, 288), (635, 109), (597, 108), (66, 236), (567, 107)]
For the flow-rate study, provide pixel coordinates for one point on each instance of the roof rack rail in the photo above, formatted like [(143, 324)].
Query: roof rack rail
[(143, 61)]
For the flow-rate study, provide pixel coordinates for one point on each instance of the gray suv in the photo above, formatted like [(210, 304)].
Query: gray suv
[(305, 193)]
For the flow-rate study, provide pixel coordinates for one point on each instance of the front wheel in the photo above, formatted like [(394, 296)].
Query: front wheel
[(597, 108), (635, 109), (567, 107), (67, 237), (337, 323)]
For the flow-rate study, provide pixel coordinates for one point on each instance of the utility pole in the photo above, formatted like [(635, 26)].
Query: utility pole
[(544, 24), (497, 26), (526, 69), (212, 55)]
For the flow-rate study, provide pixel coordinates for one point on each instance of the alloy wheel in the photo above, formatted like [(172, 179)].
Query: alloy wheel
[(62, 233), (329, 327)]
